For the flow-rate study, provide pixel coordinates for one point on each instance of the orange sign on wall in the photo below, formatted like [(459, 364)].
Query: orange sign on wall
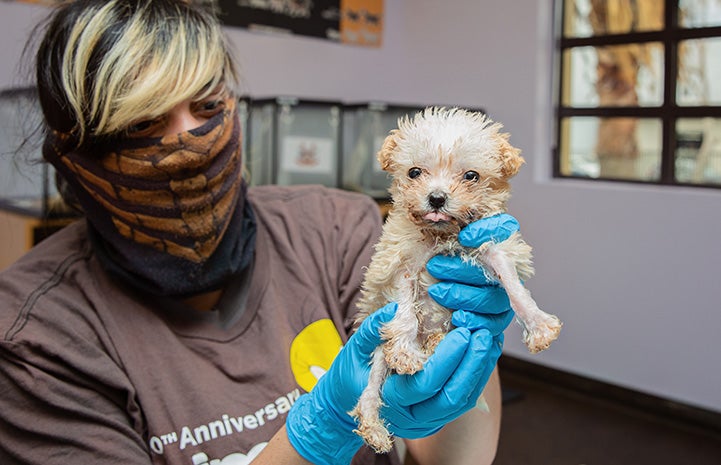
[(361, 22)]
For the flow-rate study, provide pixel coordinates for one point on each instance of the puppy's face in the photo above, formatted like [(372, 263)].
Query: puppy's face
[(449, 167)]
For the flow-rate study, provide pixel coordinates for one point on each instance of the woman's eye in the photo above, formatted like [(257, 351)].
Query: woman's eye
[(142, 128), (471, 176), (211, 107), (414, 172)]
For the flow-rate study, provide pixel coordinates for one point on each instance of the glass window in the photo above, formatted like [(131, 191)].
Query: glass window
[(699, 13), (640, 91), (585, 18), (699, 72), (612, 148), (698, 151), (619, 75)]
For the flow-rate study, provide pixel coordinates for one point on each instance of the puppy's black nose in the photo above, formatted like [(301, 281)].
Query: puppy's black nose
[(437, 200)]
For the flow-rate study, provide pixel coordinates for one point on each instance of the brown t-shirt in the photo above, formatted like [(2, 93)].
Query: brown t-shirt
[(93, 373)]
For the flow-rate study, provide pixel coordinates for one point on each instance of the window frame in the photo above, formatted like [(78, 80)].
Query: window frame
[(668, 112)]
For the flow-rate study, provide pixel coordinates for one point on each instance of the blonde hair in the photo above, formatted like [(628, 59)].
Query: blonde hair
[(128, 60)]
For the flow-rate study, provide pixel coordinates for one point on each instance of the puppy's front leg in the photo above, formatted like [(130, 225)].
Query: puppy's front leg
[(539, 327), (402, 349)]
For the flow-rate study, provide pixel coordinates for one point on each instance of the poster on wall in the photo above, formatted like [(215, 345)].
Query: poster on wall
[(358, 22), (38, 2)]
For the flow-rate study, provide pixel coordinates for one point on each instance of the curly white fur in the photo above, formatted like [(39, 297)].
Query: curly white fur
[(450, 167)]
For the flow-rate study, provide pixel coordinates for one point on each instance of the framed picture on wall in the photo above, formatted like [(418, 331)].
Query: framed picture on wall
[(358, 22), (316, 18)]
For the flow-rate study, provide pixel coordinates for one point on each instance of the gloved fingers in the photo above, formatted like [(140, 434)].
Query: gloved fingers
[(368, 336), (496, 324), (496, 228), (404, 390), (484, 299), (402, 423), (493, 355), (456, 269), (466, 383), (458, 396)]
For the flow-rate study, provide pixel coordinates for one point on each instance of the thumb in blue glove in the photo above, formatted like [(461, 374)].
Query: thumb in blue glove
[(496, 228)]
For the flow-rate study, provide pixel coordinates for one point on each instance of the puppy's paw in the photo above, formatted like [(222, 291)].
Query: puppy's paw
[(377, 437), (373, 432), (544, 330)]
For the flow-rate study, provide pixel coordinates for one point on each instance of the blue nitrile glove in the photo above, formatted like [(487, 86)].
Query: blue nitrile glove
[(449, 385), (318, 425), (465, 288)]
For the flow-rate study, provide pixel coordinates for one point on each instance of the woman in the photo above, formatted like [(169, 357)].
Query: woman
[(188, 319)]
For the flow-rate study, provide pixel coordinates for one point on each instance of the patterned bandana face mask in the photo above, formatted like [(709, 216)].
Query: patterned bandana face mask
[(158, 203)]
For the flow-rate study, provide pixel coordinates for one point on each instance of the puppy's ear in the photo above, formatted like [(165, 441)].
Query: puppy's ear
[(511, 159), (385, 154)]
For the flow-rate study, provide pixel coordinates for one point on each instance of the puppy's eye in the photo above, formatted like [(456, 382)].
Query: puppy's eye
[(471, 176), (414, 172)]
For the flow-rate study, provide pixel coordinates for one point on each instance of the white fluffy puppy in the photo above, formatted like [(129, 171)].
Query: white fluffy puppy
[(449, 167)]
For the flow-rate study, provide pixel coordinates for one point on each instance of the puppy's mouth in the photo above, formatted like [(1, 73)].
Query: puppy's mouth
[(437, 217)]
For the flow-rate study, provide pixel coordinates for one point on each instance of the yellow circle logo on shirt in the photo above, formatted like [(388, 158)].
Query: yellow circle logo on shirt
[(313, 351)]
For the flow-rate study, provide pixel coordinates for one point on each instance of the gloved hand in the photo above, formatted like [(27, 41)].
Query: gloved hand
[(449, 385), (319, 426), (479, 303)]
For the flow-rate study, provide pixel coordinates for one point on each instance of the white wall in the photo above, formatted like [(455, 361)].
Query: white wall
[(631, 270)]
